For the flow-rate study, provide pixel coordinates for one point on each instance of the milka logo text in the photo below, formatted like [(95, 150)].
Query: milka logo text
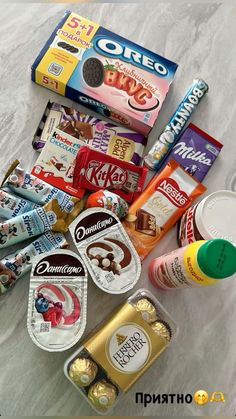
[(170, 189), (189, 153), (81, 232), (114, 49), (45, 267)]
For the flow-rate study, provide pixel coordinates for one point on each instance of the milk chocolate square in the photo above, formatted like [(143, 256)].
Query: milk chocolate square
[(145, 223)]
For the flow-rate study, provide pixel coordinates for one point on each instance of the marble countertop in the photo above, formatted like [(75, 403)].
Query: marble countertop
[(200, 37)]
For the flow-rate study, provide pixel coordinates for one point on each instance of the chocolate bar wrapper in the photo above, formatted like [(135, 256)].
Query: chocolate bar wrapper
[(119, 142), (14, 266), (56, 162), (57, 307), (12, 205), (195, 151), (95, 171), (159, 207), (176, 124), (26, 185), (33, 223), (106, 250)]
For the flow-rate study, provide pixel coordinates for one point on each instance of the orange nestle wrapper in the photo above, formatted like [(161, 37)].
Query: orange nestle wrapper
[(161, 204)]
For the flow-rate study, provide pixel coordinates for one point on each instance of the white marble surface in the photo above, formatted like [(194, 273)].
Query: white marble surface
[(201, 38)]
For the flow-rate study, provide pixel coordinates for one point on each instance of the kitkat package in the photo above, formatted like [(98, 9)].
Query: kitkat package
[(103, 71), (161, 204)]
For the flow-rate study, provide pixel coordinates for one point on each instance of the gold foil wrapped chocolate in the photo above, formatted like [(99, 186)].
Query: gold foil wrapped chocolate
[(147, 310), (83, 371), (102, 395), (162, 329)]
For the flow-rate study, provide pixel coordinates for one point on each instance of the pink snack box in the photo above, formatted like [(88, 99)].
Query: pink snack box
[(110, 74)]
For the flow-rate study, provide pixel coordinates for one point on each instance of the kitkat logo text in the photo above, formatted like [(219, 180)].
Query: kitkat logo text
[(105, 175), (170, 188)]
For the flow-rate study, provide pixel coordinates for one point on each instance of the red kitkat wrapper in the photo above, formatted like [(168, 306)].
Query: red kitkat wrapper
[(95, 170)]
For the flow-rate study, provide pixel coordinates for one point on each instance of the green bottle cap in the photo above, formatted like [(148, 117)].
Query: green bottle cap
[(217, 258)]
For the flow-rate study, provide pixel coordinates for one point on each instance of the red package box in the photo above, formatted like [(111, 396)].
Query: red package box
[(95, 170)]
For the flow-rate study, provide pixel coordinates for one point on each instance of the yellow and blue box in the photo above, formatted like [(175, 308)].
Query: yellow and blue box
[(105, 72)]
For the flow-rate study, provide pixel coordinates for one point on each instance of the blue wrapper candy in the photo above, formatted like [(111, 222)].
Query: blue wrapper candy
[(176, 124), (32, 223), (14, 266), (36, 190), (12, 205)]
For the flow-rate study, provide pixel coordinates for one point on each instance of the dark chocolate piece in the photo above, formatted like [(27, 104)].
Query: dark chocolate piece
[(145, 223)]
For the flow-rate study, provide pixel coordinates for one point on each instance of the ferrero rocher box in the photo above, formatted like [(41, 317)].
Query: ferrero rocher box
[(120, 350)]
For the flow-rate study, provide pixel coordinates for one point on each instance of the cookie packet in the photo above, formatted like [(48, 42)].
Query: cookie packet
[(14, 266), (106, 250), (161, 204), (120, 350), (57, 307)]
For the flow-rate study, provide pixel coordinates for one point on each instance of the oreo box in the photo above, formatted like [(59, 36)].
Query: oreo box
[(99, 69)]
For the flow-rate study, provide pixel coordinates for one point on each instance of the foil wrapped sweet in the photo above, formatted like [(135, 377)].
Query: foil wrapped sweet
[(83, 371)]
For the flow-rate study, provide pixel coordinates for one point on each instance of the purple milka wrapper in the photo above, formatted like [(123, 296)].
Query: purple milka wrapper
[(195, 151)]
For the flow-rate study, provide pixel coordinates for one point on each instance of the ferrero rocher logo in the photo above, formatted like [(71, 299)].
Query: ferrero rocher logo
[(120, 339), (129, 348)]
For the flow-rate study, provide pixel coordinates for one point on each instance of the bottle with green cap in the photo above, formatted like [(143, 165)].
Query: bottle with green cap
[(204, 262)]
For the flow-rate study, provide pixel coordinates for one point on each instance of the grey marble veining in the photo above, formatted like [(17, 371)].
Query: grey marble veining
[(201, 39)]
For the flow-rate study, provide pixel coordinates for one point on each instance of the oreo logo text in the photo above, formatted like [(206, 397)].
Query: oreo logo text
[(113, 49)]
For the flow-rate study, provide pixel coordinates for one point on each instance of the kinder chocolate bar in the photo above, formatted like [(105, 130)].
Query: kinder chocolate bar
[(106, 250), (161, 204), (176, 124), (119, 351), (108, 200), (12, 205), (55, 163), (53, 115), (38, 191), (195, 151), (106, 137), (95, 171), (14, 266), (99, 69), (33, 223), (57, 307)]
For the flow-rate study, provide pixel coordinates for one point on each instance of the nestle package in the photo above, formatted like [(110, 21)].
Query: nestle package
[(120, 350), (99, 69), (161, 204)]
